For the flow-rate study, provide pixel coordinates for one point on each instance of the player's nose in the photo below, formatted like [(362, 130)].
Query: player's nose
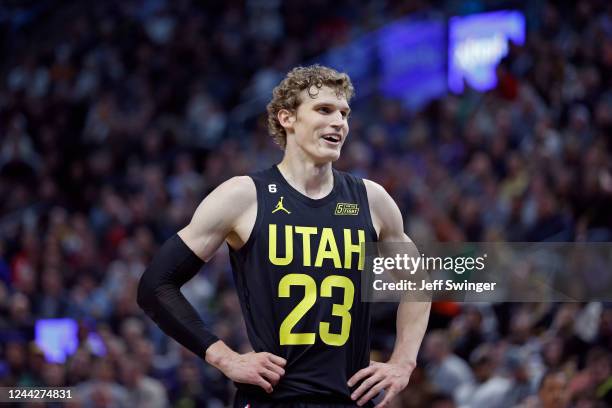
[(338, 122)]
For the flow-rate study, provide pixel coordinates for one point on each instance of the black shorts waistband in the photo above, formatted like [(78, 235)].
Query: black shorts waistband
[(328, 400)]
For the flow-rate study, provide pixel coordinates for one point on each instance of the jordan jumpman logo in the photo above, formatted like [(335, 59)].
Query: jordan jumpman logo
[(279, 206)]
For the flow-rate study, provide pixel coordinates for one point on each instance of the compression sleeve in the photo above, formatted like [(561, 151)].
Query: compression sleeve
[(159, 295)]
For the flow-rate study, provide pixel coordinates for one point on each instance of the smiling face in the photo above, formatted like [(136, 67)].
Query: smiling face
[(319, 126)]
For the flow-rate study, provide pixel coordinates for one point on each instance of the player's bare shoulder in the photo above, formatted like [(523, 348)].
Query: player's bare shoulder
[(244, 198), (229, 201), (240, 188), (375, 191), (227, 213), (386, 216)]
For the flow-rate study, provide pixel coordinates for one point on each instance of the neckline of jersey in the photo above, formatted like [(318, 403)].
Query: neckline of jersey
[(313, 202)]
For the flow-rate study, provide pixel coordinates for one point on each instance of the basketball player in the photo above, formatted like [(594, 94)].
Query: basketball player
[(294, 233)]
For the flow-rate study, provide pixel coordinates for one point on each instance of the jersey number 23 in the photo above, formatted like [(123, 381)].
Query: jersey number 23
[(287, 337)]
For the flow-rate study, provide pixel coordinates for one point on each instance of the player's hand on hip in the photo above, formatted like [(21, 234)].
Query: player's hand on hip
[(391, 377), (262, 369)]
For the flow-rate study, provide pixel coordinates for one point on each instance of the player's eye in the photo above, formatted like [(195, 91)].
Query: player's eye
[(324, 110)]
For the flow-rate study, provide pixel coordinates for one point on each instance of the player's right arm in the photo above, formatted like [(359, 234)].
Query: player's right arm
[(227, 213)]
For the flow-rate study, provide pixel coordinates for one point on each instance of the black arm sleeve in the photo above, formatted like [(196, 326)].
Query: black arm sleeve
[(160, 297)]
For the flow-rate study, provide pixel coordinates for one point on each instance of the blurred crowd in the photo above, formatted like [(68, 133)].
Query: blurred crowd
[(115, 124)]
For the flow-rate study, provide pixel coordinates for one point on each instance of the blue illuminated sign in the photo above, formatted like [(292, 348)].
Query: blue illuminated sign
[(412, 65), (476, 45), (58, 339)]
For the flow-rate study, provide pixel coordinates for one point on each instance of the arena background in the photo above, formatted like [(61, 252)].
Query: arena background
[(118, 117)]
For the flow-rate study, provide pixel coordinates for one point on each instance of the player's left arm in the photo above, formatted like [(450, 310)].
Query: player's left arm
[(412, 317)]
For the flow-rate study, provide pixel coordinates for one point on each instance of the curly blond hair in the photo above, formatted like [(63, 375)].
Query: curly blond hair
[(286, 95)]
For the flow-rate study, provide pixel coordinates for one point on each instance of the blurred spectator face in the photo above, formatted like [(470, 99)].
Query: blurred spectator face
[(52, 256), (104, 371), (125, 302), (144, 240), (516, 363), (131, 372), (188, 373), (20, 308), (48, 189), (183, 164), (603, 113), (314, 118), (473, 319), (132, 330), (521, 326), (27, 279), (79, 367), (152, 142), (15, 356), (115, 348), (86, 284), (36, 359), (565, 318), (484, 361), (553, 391), (469, 211), (127, 250), (484, 369), (598, 363), (480, 165), (515, 165), (547, 205), (53, 375), (436, 347), (102, 396), (579, 117), (144, 353), (51, 282), (521, 373)]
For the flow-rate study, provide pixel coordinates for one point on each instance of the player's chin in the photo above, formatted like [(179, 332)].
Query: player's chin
[(330, 155)]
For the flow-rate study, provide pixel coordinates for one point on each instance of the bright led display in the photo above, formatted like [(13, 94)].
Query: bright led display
[(476, 45)]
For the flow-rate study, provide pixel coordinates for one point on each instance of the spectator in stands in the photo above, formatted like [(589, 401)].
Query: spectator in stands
[(446, 370)]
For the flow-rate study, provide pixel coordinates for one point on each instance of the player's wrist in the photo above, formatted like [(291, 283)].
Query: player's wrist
[(219, 354), (404, 362)]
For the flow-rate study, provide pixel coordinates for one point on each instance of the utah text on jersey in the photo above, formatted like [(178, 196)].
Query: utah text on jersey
[(326, 248)]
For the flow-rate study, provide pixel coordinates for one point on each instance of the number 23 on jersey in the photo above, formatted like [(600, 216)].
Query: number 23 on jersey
[(287, 337)]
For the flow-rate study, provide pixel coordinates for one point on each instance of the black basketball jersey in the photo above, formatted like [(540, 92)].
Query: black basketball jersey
[(298, 280)]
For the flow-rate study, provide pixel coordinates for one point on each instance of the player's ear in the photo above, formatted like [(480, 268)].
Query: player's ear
[(286, 118)]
